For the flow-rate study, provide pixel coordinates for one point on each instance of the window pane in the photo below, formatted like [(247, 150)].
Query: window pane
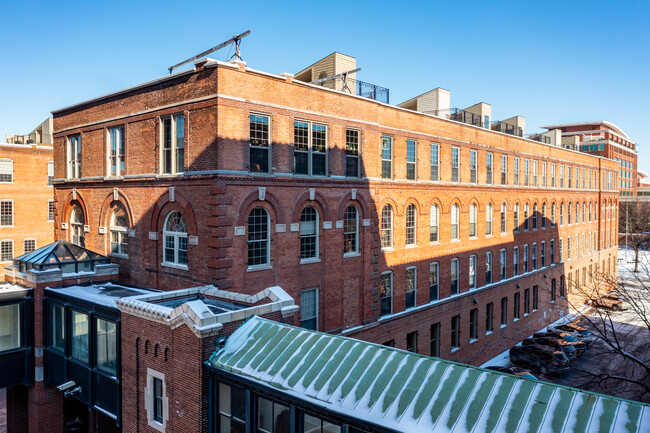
[(9, 327), (106, 345), (309, 309), (80, 336), (57, 327)]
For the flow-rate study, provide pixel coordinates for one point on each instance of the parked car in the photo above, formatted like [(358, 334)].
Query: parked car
[(513, 369), (555, 343), (610, 300), (580, 346), (541, 358), (579, 332)]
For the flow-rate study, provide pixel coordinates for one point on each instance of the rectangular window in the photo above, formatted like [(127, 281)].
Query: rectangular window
[(455, 164), (310, 149), (157, 399), (455, 333), (584, 178), (553, 289), (561, 176), (526, 302), (525, 258), (387, 157), (517, 306), (309, 309), (50, 210), (569, 176), (489, 162), (472, 272), (488, 268), (412, 342), (272, 417), (516, 170), (504, 311), (173, 144), (434, 292), (7, 171), (515, 261), (526, 172), (106, 346), (10, 329), (534, 173), (411, 152), (544, 174), (74, 157), (56, 327), (542, 254), (434, 345), (553, 175), (29, 245), (352, 159), (79, 343), (116, 151), (435, 162), (535, 299), (577, 177), (50, 173), (489, 315), (411, 287), (534, 257), (232, 408), (259, 144), (454, 276), (472, 166), (502, 263), (6, 250), (386, 298), (473, 324), (504, 170)]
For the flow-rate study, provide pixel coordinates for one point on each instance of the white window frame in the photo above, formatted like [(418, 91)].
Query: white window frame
[(435, 162), (266, 148), (455, 164), (473, 218), (310, 148), (2, 202), (50, 204), (389, 229), (489, 211), (2, 244), (471, 271), (173, 144), (122, 235), (414, 163), (413, 228), (73, 156), (503, 264), (316, 235), (434, 222), (489, 168), (7, 168), (455, 217), (50, 173), (350, 154), (25, 242), (415, 285), (149, 400), (355, 252), (176, 236), (303, 318), (120, 151)]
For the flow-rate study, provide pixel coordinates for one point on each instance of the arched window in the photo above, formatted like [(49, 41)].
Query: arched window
[(535, 216), (561, 214), (590, 211), (584, 211), (473, 210), (411, 224), (119, 231), (351, 230), (543, 215), (175, 235), (526, 216), (434, 223), (504, 216), (515, 217), (77, 223), (488, 219), (455, 211), (577, 212), (309, 233), (553, 214), (569, 209), (258, 237), (387, 226)]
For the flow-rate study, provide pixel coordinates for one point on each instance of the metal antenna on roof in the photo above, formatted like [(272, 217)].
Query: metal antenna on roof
[(342, 75), (235, 39)]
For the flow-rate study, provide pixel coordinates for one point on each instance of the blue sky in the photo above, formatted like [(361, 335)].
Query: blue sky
[(550, 61)]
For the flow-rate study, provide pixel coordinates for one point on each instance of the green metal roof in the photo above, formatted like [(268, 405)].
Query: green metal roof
[(414, 393)]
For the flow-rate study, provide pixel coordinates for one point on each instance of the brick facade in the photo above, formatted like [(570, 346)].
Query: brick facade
[(30, 194)]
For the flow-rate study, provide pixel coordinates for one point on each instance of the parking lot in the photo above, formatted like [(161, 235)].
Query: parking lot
[(599, 361)]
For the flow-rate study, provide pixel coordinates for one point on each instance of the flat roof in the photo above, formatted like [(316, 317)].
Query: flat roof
[(13, 291), (596, 122), (413, 393), (103, 294)]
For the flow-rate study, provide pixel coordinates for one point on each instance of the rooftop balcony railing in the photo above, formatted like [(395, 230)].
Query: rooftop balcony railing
[(508, 128), (460, 116), (360, 88), (541, 138)]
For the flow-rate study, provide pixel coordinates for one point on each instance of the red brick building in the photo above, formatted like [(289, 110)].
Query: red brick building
[(381, 223), (607, 140), (26, 199), (226, 175)]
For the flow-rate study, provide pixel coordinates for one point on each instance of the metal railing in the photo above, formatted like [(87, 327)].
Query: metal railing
[(508, 128), (540, 137), (460, 115), (360, 88)]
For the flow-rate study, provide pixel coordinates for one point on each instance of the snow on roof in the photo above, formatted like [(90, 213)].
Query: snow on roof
[(101, 294), (409, 392)]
